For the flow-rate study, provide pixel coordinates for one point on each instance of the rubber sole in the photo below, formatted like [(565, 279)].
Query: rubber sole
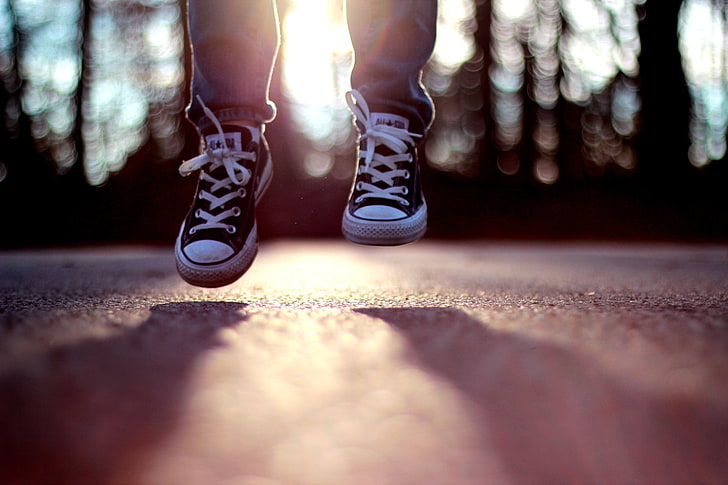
[(385, 233), (221, 274)]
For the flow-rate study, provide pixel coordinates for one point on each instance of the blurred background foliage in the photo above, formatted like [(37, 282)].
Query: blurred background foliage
[(556, 119)]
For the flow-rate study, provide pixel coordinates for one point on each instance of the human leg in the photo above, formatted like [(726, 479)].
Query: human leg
[(234, 44), (393, 39), (234, 47)]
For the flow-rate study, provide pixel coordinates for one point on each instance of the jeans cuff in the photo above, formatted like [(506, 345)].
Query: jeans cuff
[(202, 122)]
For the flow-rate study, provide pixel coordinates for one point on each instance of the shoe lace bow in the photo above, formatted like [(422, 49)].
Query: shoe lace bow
[(396, 139)]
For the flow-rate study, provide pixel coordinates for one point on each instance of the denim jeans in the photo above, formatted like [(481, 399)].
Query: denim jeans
[(235, 44)]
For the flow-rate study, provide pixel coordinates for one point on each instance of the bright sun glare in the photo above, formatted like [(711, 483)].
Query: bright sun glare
[(317, 59)]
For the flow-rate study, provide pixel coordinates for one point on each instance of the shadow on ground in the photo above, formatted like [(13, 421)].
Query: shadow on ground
[(553, 415), (88, 412)]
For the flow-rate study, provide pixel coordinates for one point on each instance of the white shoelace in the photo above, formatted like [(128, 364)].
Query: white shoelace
[(396, 139), (236, 175)]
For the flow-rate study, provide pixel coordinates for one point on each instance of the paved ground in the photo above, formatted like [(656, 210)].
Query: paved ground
[(337, 364)]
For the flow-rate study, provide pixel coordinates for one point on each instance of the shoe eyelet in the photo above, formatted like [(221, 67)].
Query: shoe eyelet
[(405, 203), (359, 185), (407, 175), (198, 213), (192, 231), (242, 192), (231, 229), (405, 191), (236, 211)]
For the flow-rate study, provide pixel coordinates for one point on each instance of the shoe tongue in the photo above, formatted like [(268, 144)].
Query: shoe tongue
[(389, 120), (236, 137)]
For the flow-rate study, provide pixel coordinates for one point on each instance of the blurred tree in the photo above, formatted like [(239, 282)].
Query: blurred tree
[(557, 92), (664, 134), (77, 171)]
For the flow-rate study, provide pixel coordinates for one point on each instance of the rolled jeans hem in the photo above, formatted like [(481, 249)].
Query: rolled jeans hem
[(202, 122)]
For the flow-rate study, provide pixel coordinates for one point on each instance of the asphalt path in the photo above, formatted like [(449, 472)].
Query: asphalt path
[(330, 363)]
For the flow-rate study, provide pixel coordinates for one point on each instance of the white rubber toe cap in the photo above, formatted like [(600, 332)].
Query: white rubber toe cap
[(208, 251), (379, 213)]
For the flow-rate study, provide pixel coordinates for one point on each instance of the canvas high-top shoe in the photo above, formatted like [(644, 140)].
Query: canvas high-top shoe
[(386, 206), (218, 240)]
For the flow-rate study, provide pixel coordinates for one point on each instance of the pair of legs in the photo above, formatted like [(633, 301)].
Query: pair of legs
[(234, 45)]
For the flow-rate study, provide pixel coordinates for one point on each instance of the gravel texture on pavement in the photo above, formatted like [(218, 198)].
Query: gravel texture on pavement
[(329, 363)]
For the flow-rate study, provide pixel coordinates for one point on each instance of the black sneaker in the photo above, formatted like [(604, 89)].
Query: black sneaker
[(386, 206), (218, 240)]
